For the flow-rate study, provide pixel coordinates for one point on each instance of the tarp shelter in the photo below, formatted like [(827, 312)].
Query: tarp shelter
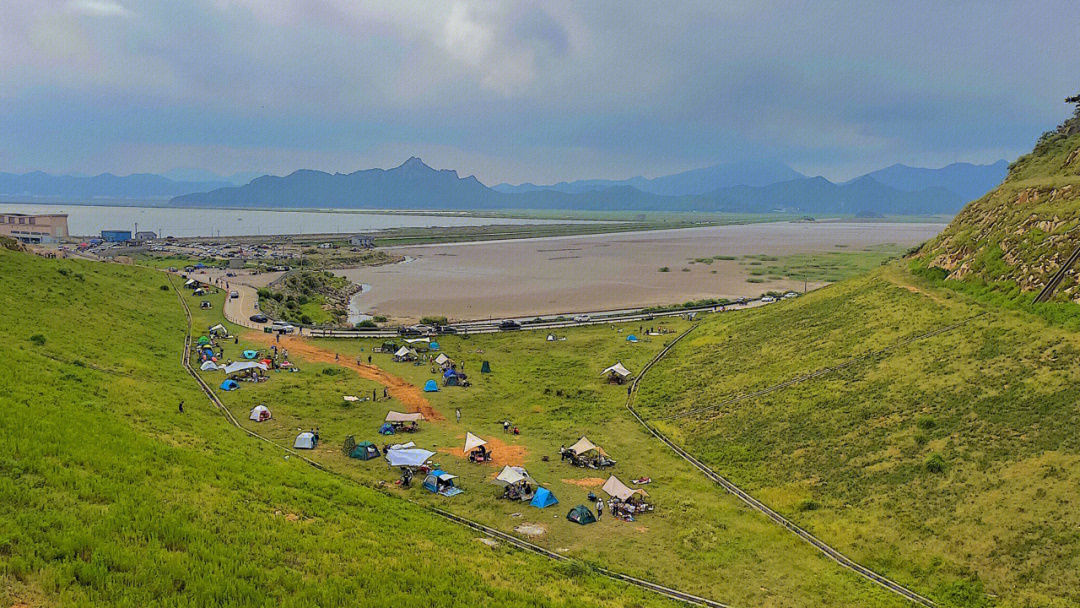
[(208, 366), (190, 283), (239, 366), (259, 413), (393, 416), (631, 338), (512, 475), (620, 490), (581, 515), (305, 441), (415, 340), (431, 386), (218, 330), (229, 385), (386, 429), (250, 354), (350, 398), (409, 457), (543, 498), (616, 373), (472, 442), (203, 340), (485, 368), (365, 450), (583, 446), (405, 354), (441, 482), (441, 359)]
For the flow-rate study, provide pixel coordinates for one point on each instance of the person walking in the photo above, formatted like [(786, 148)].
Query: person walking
[(457, 414), (369, 359), (358, 359), (181, 406), (385, 393), (337, 357), (599, 509)]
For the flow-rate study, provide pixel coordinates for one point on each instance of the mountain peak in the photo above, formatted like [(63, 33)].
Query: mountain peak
[(414, 161)]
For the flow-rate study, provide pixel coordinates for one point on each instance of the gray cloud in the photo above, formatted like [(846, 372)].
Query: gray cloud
[(527, 91)]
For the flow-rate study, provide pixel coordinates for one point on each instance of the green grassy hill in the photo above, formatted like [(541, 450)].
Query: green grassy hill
[(950, 463), (1018, 235), (109, 497)]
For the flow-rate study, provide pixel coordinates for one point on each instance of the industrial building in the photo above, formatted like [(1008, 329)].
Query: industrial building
[(115, 236), (34, 229)]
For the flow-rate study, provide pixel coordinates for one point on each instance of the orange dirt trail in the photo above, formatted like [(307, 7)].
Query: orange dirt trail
[(408, 394)]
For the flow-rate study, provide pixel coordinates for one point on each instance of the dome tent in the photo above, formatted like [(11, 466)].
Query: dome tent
[(431, 386), (259, 413), (581, 515), (229, 385), (305, 441), (543, 498)]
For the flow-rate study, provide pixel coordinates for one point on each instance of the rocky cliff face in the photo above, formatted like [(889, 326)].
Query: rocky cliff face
[(1021, 232)]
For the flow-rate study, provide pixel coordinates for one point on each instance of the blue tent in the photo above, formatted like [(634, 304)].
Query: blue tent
[(386, 429), (229, 385), (251, 354), (543, 498), (449, 373), (433, 346), (441, 482), (431, 386), (631, 338)]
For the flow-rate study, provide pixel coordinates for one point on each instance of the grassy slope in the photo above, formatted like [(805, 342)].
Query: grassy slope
[(699, 539), (845, 455), (110, 497)]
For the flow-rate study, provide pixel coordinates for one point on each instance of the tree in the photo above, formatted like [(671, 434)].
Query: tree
[(1074, 99)]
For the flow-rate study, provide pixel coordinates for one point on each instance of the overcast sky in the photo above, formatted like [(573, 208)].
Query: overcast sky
[(539, 92)]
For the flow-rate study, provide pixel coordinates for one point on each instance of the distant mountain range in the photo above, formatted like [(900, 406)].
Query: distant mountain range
[(745, 186)]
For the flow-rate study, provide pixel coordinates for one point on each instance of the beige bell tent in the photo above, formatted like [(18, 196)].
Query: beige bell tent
[(393, 416), (405, 354), (616, 373), (618, 489), (584, 446), (472, 442)]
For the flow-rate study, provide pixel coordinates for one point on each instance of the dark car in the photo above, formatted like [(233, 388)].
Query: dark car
[(509, 324), (259, 318), (446, 329), (408, 331)]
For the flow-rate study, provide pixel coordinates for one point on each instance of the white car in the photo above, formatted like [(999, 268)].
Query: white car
[(790, 294), (284, 328), (582, 319), (768, 300)]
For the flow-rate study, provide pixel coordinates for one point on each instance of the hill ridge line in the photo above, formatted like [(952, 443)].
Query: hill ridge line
[(759, 506)]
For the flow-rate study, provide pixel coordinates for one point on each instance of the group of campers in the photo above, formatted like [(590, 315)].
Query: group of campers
[(587, 454), (210, 354)]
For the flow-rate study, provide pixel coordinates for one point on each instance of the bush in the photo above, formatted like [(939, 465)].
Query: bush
[(379, 319), (38, 339), (434, 321), (164, 288), (665, 269), (305, 319), (807, 504), (934, 463), (279, 297), (264, 293), (366, 323), (925, 423)]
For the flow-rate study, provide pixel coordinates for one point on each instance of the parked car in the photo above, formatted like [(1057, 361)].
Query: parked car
[(259, 318), (282, 327), (509, 324), (446, 329), (408, 330), (790, 294), (234, 294), (582, 319), (768, 300)]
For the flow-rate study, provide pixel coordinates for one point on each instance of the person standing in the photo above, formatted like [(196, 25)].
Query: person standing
[(457, 414), (599, 509), (369, 359), (373, 395), (385, 393), (181, 406)]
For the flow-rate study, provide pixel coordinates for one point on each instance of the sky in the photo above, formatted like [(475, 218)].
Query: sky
[(523, 91)]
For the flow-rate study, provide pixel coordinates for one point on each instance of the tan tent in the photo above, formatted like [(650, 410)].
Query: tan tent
[(618, 489), (511, 475), (393, 416), (617, 370), (583, 445), (405, 353), (441, 359), (472, 442)]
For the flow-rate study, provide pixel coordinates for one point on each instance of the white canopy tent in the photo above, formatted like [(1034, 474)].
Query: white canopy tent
[(393, 416), (219, 330), (240, 366), (620, 490), (441, 359), (583, 445), (511, 475), (256, 413), (405, 353), (408, 457), (472, 442), (618, 370)]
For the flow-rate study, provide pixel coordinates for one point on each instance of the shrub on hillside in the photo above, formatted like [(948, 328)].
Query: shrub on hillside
[(38, 339), (934, 463)]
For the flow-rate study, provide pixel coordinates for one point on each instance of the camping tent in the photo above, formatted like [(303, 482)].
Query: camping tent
[(631, 338), (409, 457), (393, 416), (616, 373), (431, 386), (386, 429), (305, 441), (190, 283), (581, 515), (551, 337), (618, 489), (405, 354), (512, 475), (583, 445), (218, 330), (441, 482), (452, 378), (472, 442), (239, 366), (250, 354), (259, 413), (441, 359), (365, 450), (203, 340), (229, 385), (543, 498), (485, 368), (434, 346), (208, 366)]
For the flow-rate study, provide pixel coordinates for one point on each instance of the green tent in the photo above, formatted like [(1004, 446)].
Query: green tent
[(389, 347), (581, 515), (365, 450), (485, 368), (203, 340)]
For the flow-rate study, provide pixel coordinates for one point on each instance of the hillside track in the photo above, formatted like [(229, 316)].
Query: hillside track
[(509, 539), (1052, 284), (757, 505)]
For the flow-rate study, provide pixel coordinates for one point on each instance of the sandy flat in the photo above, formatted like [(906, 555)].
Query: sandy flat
[(602, 272)]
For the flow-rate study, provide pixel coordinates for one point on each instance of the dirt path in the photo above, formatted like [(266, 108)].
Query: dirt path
[(408, 394)]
